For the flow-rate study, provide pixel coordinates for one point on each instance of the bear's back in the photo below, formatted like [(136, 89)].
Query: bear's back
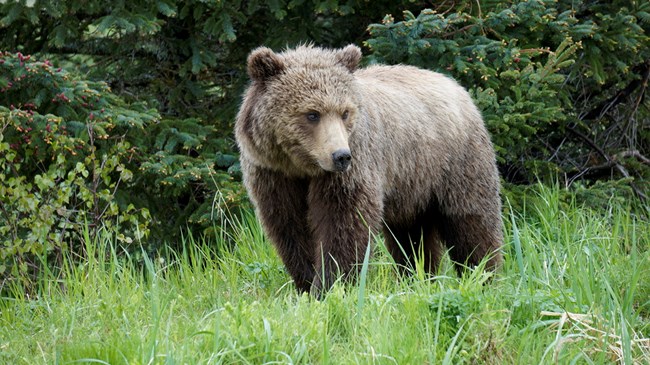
[(418, 102), (412, 87)]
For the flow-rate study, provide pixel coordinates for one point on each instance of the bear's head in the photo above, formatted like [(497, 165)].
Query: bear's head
[(300, 109)]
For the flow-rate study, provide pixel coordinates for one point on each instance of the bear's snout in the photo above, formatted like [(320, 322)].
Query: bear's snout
[(341, 159)]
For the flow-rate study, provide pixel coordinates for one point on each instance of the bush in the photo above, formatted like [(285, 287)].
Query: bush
[(66, 161)]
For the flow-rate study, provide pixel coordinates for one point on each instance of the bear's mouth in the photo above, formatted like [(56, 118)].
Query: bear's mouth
[(339, 161)]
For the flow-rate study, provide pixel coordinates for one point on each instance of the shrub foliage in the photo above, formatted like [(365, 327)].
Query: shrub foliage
[(66, 160)]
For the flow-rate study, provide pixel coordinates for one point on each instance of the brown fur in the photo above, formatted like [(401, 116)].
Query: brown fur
[(422, 166)]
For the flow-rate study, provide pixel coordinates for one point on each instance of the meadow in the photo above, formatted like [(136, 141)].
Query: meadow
[(574, 289)]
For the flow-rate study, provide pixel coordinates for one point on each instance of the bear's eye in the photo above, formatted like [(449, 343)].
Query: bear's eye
[(313, 116), (345, 115)]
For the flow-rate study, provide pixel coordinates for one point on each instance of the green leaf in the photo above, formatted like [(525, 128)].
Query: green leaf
[(166, 8), (40, 97), (105, 23), (197, 63), (15, 10), (228, 29), (59, 35)]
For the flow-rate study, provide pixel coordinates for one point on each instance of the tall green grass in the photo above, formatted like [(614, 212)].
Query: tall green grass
[(574, 288)]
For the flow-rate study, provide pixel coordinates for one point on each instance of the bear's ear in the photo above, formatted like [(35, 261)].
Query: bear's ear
[(263, 63), (349, 57)]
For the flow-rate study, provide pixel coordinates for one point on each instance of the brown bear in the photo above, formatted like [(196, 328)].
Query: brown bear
[(331, 153)]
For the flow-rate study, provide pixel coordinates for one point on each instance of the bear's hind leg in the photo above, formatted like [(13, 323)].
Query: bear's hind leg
[(470, 238), (399, 246), (420, 238), (432, 247)]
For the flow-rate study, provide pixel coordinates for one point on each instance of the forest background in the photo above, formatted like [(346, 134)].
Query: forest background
[(117, 117)]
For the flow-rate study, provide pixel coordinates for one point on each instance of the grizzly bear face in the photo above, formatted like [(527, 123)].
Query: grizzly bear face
[(299, 112)]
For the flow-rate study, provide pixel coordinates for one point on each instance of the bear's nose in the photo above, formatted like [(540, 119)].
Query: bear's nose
[(341, 159)]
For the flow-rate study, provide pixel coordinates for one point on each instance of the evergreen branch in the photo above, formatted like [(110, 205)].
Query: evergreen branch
[(459, 30), (622, 95), (610, 162)]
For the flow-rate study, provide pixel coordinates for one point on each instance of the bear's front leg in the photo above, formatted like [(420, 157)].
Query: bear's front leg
[(281, 205), (342, 216)]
